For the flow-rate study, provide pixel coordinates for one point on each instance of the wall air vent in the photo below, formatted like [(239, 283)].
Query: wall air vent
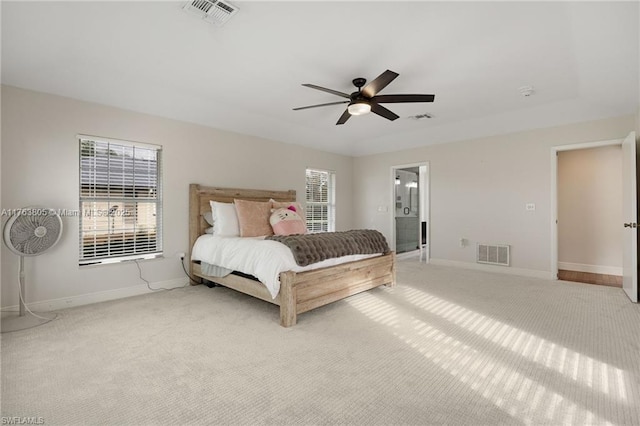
[(493, 254), (214, 11)]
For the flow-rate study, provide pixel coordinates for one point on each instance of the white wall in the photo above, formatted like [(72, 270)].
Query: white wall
[(40, 166), (590, 210), (479, 189)]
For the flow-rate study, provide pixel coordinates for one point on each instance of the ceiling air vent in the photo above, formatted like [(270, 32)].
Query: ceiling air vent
[(421, 116), (213, 11)]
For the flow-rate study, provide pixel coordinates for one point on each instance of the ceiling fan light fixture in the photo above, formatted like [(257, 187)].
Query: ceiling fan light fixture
[(359, 108)]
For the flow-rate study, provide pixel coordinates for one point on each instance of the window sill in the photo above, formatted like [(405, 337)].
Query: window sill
[(118, 260)]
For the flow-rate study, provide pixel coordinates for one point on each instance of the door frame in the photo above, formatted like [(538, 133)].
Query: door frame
[(424, 195), (630, 212), (554, 192)]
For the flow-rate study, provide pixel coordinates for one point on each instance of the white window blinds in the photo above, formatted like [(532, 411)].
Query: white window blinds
[(120, 200), (320, 190)]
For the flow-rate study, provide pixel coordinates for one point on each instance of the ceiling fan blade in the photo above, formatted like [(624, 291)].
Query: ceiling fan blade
[(383, 112), (324, 89), (344, 117), (379, 83), (321, 105), (403, 98)]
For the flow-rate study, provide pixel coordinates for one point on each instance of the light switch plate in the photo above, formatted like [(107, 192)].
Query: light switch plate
[(530, 207)]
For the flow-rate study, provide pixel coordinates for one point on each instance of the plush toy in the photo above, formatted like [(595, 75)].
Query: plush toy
[(286, 221)]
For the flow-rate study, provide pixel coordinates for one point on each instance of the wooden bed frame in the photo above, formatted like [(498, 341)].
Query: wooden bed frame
[(299, 292)]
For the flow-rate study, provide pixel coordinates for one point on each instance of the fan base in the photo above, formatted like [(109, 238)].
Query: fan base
[(14, 322)]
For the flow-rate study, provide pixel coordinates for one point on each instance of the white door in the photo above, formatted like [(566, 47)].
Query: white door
[(630, 217)]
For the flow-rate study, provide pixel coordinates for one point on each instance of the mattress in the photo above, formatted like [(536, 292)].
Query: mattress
[(264, 259)]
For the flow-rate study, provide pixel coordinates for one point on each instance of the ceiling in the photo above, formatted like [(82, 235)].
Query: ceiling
[(581, 58)]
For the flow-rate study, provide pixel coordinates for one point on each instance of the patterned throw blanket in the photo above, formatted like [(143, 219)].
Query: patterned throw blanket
[(313, 248)]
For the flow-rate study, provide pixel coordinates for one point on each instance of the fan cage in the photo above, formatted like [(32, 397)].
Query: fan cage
[(32, 231)]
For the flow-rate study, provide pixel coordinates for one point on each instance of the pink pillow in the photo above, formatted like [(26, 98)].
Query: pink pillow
[(287, 222), (286, 204), (253, 217)]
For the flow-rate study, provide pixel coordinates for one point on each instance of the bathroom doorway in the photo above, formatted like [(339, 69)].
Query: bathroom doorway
[(410, 210)]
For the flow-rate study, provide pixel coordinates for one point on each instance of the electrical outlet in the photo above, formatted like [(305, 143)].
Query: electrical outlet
[(180, 255), (530, 207)]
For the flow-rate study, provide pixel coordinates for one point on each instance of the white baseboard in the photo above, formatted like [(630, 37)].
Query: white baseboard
[(594, 269), (533, 273), (408, 255), (101, 296)]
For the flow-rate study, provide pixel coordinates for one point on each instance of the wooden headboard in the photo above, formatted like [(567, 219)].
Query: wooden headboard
[(199, 197)]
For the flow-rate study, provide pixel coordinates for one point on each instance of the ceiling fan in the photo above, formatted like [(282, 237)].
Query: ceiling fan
[(366, 99)]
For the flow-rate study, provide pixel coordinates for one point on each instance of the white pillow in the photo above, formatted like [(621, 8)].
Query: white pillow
[(225, 219), (208, 216), (209, 230)]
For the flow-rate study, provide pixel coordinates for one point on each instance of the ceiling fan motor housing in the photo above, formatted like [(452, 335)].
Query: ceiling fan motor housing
[(359, 98)]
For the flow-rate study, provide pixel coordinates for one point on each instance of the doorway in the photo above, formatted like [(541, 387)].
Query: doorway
[(410, 210), (587, 198), (589, 215)]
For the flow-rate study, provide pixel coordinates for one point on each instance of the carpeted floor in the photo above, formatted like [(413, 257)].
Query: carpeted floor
[(446, 346)]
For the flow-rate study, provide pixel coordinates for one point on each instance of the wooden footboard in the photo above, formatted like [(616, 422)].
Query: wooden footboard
[(303, 291)]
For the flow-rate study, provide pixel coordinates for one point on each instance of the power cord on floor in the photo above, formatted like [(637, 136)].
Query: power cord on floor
[(149, 284)]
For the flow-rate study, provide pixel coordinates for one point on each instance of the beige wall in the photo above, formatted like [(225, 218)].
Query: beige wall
[(40, 166), (590, 209), (479, 189)]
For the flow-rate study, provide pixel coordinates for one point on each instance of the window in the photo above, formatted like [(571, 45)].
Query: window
[(321, 207), (120, 200)]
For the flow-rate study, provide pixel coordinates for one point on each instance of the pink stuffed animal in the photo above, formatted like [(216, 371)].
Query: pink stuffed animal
[(287, 222)]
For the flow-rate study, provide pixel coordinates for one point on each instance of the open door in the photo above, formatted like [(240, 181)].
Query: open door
[(410, 209), (630, 217)]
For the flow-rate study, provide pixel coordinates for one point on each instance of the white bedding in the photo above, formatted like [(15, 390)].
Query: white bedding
[(264, 259)]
